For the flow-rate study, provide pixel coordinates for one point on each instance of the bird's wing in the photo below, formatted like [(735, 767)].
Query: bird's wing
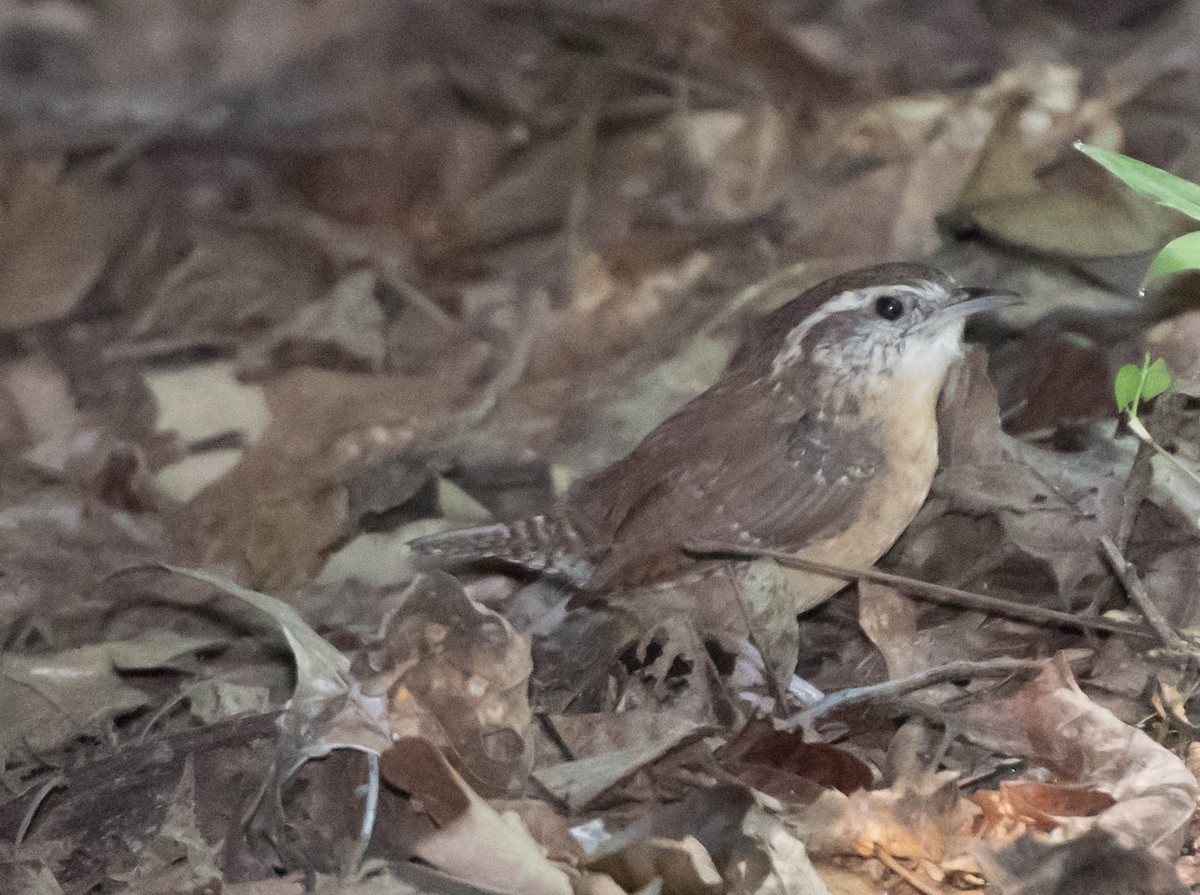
[(733, 469)]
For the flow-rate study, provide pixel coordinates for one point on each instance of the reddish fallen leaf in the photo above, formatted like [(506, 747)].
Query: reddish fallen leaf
[(1052, 723), (1018, 806), (781, 764)]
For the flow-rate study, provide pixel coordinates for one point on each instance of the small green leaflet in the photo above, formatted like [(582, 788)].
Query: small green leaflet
[(1181, 253), (1161, 186), (1135, 384)]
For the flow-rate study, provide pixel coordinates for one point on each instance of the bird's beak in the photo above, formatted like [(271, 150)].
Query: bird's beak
[(970, 300), (974, 299)]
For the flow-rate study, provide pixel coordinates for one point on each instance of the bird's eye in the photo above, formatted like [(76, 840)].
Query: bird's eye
[(889, 307)]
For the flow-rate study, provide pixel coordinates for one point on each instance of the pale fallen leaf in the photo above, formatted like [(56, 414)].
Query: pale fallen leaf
[(39, 391), (215, 700), (724, 839), (328, 710), (191, 475), (455, 503), (381, 559), (50, 698), (768, 860), (580, 782), (30, 877), (472, 842), (592, 883), (204, 401), (684, 866)]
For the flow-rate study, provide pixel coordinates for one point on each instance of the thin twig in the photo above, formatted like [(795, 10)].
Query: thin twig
[(885, 858), (512, 369), (1141, 597), (951, 671), (937, 593)]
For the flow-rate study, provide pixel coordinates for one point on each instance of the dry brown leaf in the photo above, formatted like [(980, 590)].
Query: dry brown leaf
[(458, 676), (1042, 113), (889, 619), (595, 733), (57, 231), (531, 195), (234, 282), (60, 541), (278, 513), (177, 857), (1050, 722), (1053, 506), (260, 39), (782, 765), (738, 160), (31, 877), (1177, 341), (344, 329)]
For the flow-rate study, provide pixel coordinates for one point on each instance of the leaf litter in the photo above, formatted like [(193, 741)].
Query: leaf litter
[(284, 287)]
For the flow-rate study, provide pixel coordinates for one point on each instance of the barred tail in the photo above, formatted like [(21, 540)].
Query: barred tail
[(540, 543)]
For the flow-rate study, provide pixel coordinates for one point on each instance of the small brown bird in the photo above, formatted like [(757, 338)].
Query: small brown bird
[(819, 439)]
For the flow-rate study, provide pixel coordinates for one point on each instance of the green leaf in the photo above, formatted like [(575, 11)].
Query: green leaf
[(1181, 253), (1162, 186), (1135, 384), (1156, 381), (1126, 385)]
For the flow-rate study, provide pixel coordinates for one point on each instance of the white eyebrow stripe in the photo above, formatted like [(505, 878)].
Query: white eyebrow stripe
[(793, 348), (853, 299)]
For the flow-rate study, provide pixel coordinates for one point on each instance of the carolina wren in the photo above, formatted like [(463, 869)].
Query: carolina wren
[(820, 439)]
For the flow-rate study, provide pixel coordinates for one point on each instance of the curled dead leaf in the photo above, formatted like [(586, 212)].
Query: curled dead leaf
[(460, 679), (1052, 723)]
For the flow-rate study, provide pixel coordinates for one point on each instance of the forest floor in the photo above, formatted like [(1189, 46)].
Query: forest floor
[(284, 285)]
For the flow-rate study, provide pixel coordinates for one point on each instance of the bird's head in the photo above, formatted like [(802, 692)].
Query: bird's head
[(873, 329)]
